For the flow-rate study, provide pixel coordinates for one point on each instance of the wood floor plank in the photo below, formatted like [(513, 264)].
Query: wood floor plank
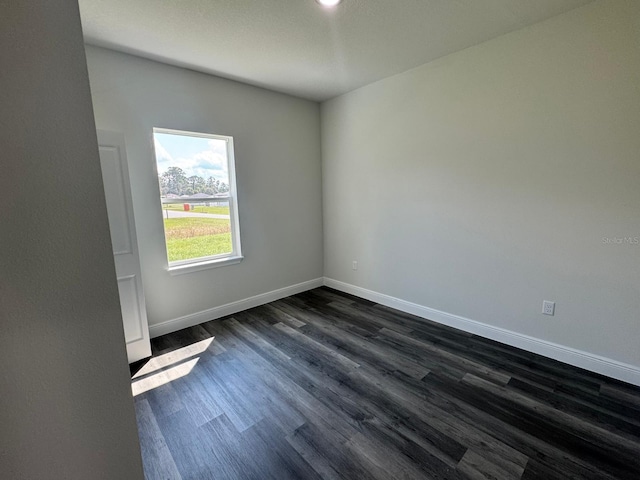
[(164, 400), (331, 457), (279, 375), (197, 400), (611, 452), (491, 417), (408, 459), (461, 363), (320, 460), (325, 385), (156, 456), (355, 313), (318, 347), (589, 411), (435, 411), (229, 395), (478, 467), (271, 452), (363, 349), (194, 449), (282, 316)]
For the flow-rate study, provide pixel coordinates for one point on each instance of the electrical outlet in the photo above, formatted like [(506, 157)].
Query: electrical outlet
[(354, 265), (548, 308)]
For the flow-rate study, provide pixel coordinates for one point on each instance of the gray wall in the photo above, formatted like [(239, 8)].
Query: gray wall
[(484, 182), (66, 409), (277, 150)]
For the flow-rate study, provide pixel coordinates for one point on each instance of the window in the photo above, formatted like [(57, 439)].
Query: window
[(198, 196)]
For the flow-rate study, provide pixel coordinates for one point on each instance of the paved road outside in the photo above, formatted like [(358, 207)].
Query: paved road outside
[(182, 214)]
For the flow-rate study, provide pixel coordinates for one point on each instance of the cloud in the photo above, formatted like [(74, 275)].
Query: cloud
[(161, 152), (163, 158), (207, 163)]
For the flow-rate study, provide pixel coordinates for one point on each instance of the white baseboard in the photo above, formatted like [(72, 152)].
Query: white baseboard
[(588, 361), (230, 308)]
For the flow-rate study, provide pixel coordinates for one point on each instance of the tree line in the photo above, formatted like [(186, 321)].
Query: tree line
[(175, 181)]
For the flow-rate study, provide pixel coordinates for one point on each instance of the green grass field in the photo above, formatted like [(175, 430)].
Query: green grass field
[(197, 237), (199, 209)]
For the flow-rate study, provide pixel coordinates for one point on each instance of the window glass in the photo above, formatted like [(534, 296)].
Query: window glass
[(197, 193)]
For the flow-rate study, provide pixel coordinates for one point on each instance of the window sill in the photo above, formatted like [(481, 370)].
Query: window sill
[(194, 267)]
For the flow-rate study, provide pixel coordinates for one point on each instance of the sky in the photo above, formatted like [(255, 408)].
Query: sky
[(205, 157)]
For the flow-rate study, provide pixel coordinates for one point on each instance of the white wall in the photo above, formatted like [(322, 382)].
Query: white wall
[(66, 410), (484, 182), (277, 153)]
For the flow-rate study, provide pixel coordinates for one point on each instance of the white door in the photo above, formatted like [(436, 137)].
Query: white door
[(117, 189)]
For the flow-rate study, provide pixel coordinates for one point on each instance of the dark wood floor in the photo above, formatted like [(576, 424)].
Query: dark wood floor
[(326, 385)]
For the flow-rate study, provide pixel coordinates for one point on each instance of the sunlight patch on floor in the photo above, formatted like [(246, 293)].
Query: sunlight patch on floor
[(173, 357), (159, 370), (163, 377)]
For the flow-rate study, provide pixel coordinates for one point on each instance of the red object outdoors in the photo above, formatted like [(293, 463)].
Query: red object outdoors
[(187, 207)]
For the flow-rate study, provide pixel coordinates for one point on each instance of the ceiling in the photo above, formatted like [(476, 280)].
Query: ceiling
[(300, 48)]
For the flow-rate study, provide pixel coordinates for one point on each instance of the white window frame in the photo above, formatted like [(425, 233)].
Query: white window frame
[(201, 263)]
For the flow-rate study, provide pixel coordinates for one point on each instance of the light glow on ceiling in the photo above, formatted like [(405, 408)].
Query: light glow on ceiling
[(328, 3)]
